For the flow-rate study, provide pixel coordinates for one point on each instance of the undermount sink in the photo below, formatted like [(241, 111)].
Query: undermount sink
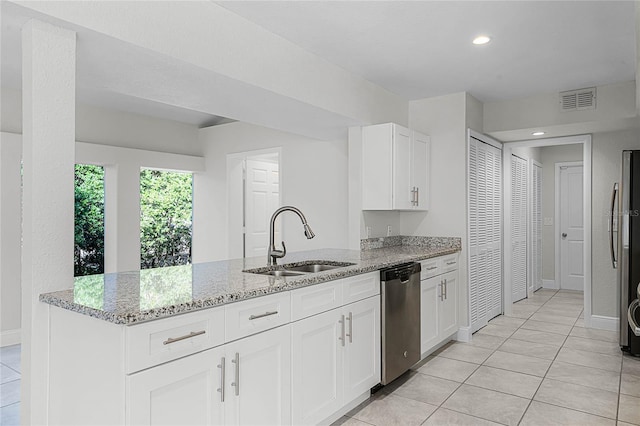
[(299, 268)]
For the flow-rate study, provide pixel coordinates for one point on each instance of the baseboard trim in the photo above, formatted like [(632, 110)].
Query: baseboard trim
[(10, 337), (464, 334), (604, 323), (550, 284), (344, 410)]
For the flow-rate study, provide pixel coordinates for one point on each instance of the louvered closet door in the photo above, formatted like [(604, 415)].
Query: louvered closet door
[(518, 228), (536, 225), (485, 232)]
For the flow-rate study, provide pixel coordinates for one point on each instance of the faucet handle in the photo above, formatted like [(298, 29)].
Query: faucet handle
[(284, 250)]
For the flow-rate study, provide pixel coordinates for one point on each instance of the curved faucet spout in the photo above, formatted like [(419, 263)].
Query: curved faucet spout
[(273, 253)]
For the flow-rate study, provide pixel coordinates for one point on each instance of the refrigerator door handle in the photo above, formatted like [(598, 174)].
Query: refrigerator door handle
[(614, 194), (631, 312)]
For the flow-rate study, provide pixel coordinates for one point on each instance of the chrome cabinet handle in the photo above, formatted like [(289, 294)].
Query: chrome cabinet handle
[(614, 261), (222, 380), (236, 383), (631, 317), (441, 290), (266, 314), (432, 268), (341, 321), (417, 196), (453, 262), (445, 288), (350, 334), (171, 340)]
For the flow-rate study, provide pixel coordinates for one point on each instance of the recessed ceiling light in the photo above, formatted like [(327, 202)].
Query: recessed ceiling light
[(481, 39), (537, 133)]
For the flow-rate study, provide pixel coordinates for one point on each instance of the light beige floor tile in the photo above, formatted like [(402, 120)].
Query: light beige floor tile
[(522, 347), (518, 363), (393, 410), (629, 409), (545, 291), (10, 415), (576, 294), (579, 323), (554, 319), (429, 389), (9, 393), (590, 345), (487, 341), (487, 404), (541, 414), (547, 327), (449, 369), (582, 398), (348, 421), (9, 375), (522, 311), (496, 330), (532, 301), (510, 382), (573, 312), (466, 352), (444, 417), (624, 424), (507, 322), (589, 359), (592, 333), (536, 336), (10, 356), (566, 301), (630, 385), (585, 376), (631, 365)]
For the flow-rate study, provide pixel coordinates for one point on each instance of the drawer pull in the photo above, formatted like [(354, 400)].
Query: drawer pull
[(266, 314), (432, 268), (186, 336), (453, 262)]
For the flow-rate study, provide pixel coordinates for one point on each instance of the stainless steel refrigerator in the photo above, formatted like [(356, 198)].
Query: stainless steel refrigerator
[(626, 253)]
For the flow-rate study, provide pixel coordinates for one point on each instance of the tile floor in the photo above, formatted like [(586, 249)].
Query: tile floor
[(10, 385), (538, 366)]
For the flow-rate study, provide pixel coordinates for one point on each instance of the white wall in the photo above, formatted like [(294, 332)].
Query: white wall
[(313, 175), (607, 157), (550, 155), (527, 153), (444, 119)]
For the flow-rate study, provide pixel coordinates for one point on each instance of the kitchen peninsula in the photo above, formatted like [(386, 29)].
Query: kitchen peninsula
[(224, 345)]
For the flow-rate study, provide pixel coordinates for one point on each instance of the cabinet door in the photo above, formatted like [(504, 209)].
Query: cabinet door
[(420, 170), (259, 377), (180, 392), (362, 350), (317, 367), (402, 162), (449, 306), (430, 290)]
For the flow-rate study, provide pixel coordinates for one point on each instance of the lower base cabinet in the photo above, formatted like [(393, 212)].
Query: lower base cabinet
[(335, 358), (246, 382)]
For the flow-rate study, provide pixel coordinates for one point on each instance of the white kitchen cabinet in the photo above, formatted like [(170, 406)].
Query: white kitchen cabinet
[(259, 379), (395, 168), (181, 392), (254, 373), (336, 358), (438, 302)]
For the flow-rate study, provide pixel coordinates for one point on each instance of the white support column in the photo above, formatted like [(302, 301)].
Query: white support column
[(122, 217), (48, 91)]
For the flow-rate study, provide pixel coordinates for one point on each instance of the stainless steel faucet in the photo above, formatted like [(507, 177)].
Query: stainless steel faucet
[(273, 254)]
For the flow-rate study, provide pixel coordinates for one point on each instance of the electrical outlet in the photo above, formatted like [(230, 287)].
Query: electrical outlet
[(548, 221), (368, 228), (388, 230)]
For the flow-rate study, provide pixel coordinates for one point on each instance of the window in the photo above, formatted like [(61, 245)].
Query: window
[(165, 218), (89, 220)]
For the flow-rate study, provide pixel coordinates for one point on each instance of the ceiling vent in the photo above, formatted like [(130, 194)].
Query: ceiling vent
[(576, 100)]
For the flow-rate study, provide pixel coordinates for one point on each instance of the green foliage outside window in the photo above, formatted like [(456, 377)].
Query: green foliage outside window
[(89, 220), (165, 218)]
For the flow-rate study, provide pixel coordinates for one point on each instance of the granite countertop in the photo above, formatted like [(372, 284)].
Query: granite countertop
[(133, 297)]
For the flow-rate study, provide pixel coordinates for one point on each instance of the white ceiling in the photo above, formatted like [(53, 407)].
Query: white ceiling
[(420, 49)]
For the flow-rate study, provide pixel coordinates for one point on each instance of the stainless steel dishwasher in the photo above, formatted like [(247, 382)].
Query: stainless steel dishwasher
[(400, 311)]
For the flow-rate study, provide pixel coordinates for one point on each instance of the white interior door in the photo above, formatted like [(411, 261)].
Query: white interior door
[(485, 232), (262, 198), (536, 225), (518, 228), (571, 228)]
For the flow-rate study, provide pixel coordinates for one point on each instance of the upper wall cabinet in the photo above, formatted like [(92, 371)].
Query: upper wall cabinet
[(395, 168)]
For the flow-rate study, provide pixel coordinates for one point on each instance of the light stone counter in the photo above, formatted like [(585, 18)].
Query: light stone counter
[(133, 297)]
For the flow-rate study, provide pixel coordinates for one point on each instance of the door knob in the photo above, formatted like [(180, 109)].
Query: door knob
[(564, 235)]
